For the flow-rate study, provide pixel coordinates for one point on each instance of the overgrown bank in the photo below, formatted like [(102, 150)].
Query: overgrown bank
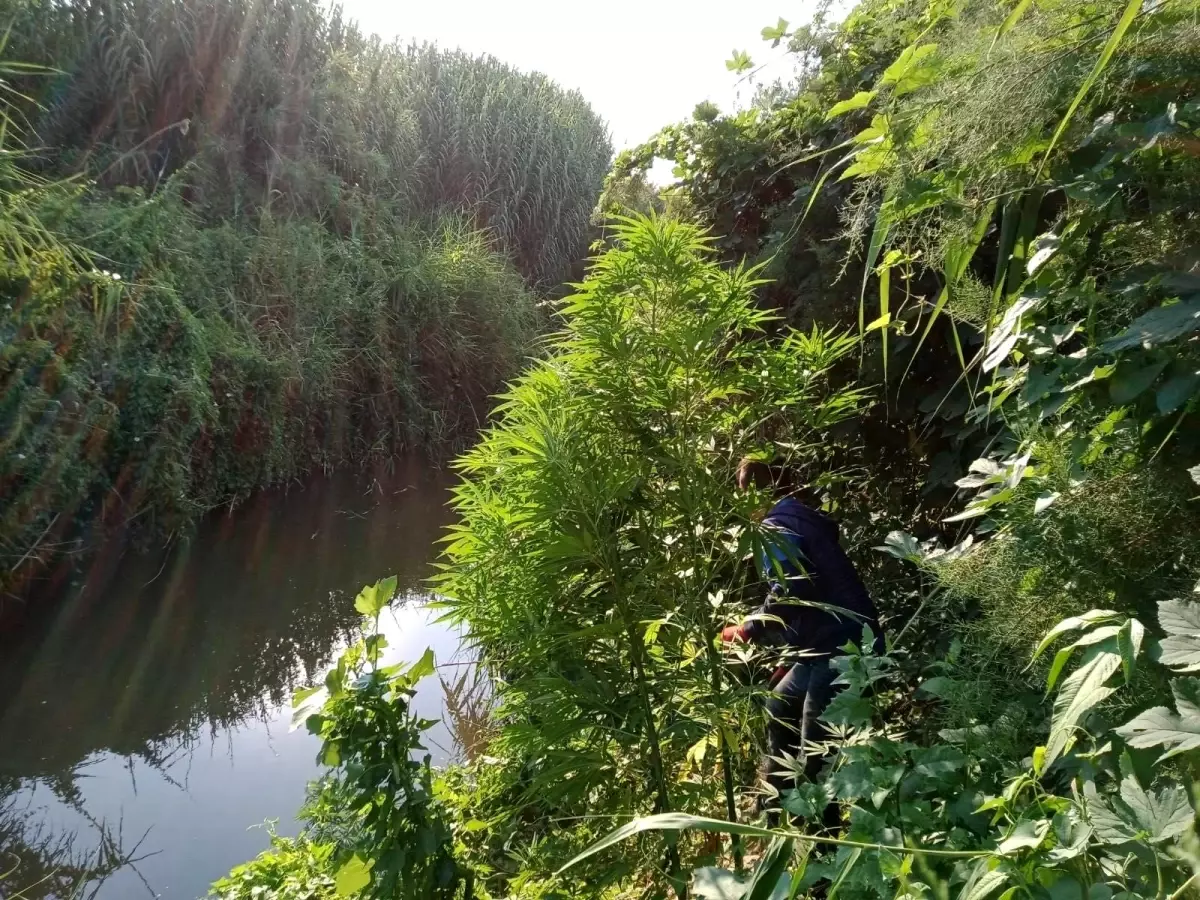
[(245, 241), (996, 198)]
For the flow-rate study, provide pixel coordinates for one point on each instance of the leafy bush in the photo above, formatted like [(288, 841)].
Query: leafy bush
[(1084, 816), (601, 534)]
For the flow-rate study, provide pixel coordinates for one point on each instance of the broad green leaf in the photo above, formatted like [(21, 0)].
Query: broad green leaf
[(982, 883), (373, 598), (1131, 381), (1044, 501), (1180, 619), (1138, 814), (352, 876), (1025, 836), (849, 708), (910, 68), (940, 686), (1176, 391), (1043, 248), (1083, 689), (901, 545), (808, 800), (306, 703), (775, 33), (423, 666), (765, 881), (1178, 731), (1110, 47), (1157, 327), (1073, 623), (858, 101)]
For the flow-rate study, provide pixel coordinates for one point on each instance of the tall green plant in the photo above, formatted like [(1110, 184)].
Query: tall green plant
[(601, 534)]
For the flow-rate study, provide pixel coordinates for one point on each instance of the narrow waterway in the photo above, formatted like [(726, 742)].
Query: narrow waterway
[(144, 712)]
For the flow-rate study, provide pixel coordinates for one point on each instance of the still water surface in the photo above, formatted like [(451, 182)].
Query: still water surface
[(147, 710)]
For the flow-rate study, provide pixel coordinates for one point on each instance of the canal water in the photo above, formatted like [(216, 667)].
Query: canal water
[(144, 713)]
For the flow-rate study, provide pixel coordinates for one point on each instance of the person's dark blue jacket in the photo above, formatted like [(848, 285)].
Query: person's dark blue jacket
[(815, 568)]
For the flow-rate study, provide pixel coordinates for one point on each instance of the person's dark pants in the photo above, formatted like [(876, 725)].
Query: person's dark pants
[(793, 708)]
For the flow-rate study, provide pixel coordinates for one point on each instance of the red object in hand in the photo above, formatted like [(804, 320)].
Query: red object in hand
[(732, 633)]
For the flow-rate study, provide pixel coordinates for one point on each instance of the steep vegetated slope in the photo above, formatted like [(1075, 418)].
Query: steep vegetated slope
[(264, 242)]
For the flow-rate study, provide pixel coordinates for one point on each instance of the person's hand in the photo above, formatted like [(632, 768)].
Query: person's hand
[(732, 633)]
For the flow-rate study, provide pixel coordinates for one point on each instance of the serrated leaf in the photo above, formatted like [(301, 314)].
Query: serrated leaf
[(1160, 816), (982, 883), (1159, 726), (1082, 691), (739, 62), (808, 800), (901, 545), (1138, 814), (858, 101), (1180, 619), (1158, 326)]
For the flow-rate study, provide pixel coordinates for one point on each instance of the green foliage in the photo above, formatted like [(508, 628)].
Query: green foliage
[(293, 869), (601, 534), (924, 820), (286, 108)]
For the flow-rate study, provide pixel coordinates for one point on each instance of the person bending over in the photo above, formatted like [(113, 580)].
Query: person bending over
[(804, 564)]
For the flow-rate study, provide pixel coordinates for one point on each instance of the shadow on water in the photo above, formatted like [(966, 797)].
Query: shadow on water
[(145, 708)]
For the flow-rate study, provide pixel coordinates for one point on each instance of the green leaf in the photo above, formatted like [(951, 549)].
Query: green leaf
[(1176, 391), (1110, 47), (1180, 619), (1025, 836), (910, 70), (739, 62), (667, 822), (858, 101), (1178, 731), (352, 876), (1011, 20), (1129, 645), (849, 708), (776, 33), (1072, 623), (1137, 814), (771, 869), (373, 598), (1131, 381), (808, 800), (1158, 326), (901, 545), (423, 666), (1083, 689), (983, 882)]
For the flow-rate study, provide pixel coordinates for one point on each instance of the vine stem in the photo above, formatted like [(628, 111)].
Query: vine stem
[(1178, 892)]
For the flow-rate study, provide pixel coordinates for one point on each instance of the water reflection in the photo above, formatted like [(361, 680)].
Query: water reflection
[(152, 697)]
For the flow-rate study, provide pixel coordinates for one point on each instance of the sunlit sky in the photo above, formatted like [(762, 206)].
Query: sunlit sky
[(642, 65)]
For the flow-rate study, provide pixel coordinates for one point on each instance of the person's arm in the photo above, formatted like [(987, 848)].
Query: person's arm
[(781, 567)]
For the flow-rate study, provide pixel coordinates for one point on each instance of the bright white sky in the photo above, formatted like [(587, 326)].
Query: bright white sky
[(642, 64)]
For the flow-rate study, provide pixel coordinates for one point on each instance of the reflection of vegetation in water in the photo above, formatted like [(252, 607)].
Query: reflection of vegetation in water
[(38, 861), (229, 627)]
